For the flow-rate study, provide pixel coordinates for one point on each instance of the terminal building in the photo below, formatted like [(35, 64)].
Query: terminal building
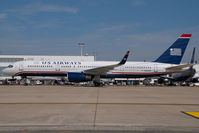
[(6, 60)]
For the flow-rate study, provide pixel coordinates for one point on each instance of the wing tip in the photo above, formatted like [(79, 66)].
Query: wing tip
[(128, 52)]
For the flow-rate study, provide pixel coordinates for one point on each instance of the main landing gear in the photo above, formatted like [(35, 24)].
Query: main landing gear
[(97, 82)]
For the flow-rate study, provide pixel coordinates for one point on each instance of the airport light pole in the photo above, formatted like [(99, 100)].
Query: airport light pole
[(81, 46), (95, 56)]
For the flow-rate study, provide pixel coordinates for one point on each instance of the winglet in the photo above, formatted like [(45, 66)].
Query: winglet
[(124, 59)]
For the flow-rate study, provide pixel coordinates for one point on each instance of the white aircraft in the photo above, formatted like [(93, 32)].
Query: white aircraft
[(167, 63)]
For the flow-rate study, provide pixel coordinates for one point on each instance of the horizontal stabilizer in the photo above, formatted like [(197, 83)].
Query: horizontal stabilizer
[(178, 68)]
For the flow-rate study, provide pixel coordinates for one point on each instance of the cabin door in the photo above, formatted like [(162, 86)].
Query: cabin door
[(122, 68), (57, 67), (155, 68), (21, 67)]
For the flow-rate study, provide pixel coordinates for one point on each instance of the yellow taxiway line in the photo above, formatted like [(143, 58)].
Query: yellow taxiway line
[(193, 114)]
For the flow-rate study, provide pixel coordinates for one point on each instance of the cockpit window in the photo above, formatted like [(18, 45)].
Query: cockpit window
[(10, 66)]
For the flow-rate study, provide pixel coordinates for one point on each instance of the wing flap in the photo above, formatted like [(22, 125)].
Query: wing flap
[(100, 70)]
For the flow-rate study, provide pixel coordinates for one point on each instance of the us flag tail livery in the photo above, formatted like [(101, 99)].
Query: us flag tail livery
[(174, 54)]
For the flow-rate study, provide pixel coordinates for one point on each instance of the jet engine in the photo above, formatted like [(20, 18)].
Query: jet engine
[(78, 77)]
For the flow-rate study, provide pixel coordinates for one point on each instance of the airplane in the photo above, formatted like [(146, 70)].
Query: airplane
[(183, 76), (167, 63), (195, 78)]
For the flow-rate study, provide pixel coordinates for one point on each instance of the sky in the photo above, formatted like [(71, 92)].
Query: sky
[(108, 28)]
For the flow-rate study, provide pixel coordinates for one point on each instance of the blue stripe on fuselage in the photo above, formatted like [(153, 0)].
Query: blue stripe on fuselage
[(131, 75)]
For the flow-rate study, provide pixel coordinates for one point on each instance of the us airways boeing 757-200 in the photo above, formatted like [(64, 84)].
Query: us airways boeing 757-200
[(167, 63)]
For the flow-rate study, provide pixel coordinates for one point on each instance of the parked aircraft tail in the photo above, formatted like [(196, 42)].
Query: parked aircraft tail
[(174, 54), (193, 56)]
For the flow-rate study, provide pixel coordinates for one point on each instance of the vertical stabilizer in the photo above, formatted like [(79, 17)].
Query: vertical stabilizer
[(174, 54), (193, 56)]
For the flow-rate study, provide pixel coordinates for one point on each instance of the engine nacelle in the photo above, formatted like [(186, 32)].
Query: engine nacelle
[(78, 77), (185, 75)]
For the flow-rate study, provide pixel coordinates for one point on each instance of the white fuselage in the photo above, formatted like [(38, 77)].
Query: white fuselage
[(62, 68)]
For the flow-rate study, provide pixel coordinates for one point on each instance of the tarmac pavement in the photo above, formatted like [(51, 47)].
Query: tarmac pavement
[(98, 109)]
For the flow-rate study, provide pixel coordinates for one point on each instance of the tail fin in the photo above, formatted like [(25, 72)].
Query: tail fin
[(193, 56), (174, 54)]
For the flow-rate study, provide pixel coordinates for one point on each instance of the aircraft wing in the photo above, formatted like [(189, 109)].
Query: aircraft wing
[(178, 68), (104, 69)]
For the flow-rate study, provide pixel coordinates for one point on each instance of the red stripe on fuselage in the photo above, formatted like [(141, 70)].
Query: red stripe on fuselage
[(65, 72), (38, 72)]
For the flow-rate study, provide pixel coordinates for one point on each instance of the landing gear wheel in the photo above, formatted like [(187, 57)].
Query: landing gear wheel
[(97, 84)]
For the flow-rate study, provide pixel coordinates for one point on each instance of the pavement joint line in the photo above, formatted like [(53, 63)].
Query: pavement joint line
[(101, 103), (96, 105)]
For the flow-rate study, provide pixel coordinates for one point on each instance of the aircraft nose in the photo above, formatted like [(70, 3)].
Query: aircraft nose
[(5, 71)]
